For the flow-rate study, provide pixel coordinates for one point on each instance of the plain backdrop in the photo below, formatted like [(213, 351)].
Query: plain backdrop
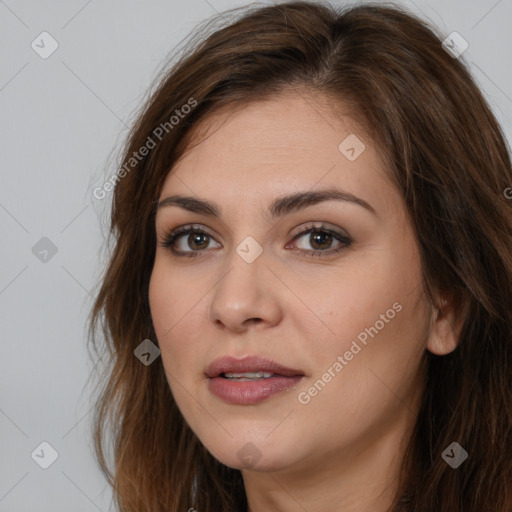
[(61, 117)]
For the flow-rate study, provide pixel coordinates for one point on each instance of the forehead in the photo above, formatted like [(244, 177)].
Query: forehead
[(293, 142), (282, 126)]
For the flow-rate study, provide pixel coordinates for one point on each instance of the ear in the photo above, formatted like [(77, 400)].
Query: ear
[(445, 326)]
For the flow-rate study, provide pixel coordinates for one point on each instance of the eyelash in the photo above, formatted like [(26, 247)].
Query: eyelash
[(171, 237)]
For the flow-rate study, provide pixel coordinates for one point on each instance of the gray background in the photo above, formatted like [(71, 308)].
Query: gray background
[(61, 117)]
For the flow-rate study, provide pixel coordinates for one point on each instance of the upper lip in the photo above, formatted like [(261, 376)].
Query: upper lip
[(229, 364)]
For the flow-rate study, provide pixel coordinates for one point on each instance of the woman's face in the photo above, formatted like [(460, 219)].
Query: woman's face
[(341, 309)]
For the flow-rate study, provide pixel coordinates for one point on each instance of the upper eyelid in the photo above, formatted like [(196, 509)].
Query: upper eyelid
[(314, 224), (309, 226)]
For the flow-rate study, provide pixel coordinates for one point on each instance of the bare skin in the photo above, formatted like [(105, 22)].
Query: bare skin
[(339, 448)]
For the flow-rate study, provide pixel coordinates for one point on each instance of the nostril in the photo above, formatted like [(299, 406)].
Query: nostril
[(253, 320)]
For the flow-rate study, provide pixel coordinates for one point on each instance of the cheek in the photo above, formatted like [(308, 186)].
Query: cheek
[(375, 382), (350, 300), (169, 296), (376, 318), (174, 306), (165, 311), (160, 303)]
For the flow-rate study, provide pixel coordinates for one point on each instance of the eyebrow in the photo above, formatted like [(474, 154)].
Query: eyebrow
[(279, 208)]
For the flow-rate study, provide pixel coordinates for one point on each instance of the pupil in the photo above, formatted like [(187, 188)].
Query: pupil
[(318, 237), (197, 236)]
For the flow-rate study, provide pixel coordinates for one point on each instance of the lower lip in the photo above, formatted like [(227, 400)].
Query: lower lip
[(250, 392)]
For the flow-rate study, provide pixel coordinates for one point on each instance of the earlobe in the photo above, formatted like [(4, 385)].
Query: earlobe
[(445, 327)]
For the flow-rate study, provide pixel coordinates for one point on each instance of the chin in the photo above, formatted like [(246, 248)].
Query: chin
[(256, 454)]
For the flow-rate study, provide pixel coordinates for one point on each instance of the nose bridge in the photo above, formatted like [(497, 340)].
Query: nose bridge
[(245, 265), (241, 293), (246, 251)]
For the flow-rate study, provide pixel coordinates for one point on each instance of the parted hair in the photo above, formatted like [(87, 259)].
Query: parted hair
[(447, 155)]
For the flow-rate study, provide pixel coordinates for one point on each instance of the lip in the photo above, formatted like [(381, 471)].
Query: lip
[(249, 364), (249, 392)]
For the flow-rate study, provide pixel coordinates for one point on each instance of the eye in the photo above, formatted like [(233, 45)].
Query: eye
[(321, 239), (197, 240)]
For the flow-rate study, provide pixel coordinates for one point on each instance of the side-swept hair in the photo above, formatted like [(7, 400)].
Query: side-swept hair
[(446, 153)]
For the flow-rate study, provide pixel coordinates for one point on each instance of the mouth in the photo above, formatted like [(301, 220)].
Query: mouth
[(249, 380), (249, 367), (247, 376)]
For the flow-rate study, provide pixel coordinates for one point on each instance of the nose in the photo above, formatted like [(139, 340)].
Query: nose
[(247, 294)]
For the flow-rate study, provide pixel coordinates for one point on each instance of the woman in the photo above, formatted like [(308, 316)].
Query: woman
[(308, 304)]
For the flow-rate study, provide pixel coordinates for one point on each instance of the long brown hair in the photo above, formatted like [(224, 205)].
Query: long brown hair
[(447, 155)]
